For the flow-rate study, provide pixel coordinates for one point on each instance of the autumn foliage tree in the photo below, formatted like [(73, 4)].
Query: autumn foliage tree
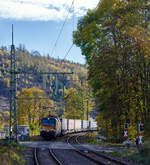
[(73, 104), (32, 106), (114, 38)]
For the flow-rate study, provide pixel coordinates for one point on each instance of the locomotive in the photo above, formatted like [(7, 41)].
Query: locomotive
[(52, 126)]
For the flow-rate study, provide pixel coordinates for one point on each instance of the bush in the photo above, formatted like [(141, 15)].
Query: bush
[(10, 153), (91, 138), (139, 157), (132, 132), (145, 150)]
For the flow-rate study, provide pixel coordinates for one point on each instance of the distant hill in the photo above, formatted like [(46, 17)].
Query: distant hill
[(34, 62), (4, 104)]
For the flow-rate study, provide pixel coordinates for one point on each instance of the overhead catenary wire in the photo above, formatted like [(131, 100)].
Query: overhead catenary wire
[(72, 4), (73, 30), (68, 51), (73, 15)]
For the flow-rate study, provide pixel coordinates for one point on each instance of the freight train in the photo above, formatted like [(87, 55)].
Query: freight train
[(52, 126)]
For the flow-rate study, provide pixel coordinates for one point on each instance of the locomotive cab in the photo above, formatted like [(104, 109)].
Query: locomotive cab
[(50, 127)]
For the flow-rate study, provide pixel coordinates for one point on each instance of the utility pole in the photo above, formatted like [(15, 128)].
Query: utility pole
[(63, 86), (82, 90), (13, 127), (87, 109), (13, 113)]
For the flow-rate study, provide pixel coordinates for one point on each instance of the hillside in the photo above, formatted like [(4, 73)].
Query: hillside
[(34, 62)]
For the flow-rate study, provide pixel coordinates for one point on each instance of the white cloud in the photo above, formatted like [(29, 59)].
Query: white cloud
[(43, 9)]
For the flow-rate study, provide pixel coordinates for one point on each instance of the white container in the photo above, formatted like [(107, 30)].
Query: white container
[(77, 125), (70, 125)]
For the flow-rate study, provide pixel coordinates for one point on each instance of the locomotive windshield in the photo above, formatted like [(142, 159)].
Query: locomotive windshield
[(48, 122)]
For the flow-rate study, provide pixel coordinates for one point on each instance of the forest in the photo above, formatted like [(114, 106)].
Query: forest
[(39, 95), (115, 40), (35, 63)]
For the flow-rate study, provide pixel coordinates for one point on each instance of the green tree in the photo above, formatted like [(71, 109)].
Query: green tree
[(73, 104), (1, 120), (114, 39), (32, 107), (7, 82)]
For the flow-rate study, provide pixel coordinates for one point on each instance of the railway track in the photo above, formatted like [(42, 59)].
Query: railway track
[(36, 157), (52, 157), (96, 157), (52, 153), (100, 154)]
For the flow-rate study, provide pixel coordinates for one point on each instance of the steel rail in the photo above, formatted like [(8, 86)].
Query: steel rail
[(53, 155), (84, 155), (101, 154), (35, 157)]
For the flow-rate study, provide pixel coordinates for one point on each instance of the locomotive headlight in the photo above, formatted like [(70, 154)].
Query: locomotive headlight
[(43, 129)]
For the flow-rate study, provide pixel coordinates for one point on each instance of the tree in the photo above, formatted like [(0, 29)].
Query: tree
[(114, 39), (1, 119), (7, 82), (6, 116), (73, 104), (32, 107)]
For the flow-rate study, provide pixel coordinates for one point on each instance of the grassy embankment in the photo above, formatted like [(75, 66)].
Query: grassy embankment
[(140, 156), (91, 138), (11, 153)]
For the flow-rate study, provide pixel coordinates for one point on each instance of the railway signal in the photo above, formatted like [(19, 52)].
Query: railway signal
[(126, 126), (140, 128), (140, 132), (125, 134)]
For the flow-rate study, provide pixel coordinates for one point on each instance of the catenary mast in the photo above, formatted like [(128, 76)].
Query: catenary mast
[(13, 127), (13, 112)]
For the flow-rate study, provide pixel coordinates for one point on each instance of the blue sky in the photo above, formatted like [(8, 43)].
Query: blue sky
[(37, 24)]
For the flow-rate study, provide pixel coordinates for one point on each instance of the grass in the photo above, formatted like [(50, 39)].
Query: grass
[(141, 156), (11, 153), (111, 144), (32, 138), (91, 138)]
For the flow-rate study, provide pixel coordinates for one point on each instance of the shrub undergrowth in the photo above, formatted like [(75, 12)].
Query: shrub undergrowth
[(139, 156), (11, 153)]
